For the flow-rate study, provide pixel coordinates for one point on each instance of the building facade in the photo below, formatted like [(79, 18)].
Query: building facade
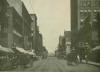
[(74, 21), (17, 5), (40, 44), (18, 28), (37, 39), (61, 49), (15, 24), (27, 20), (34, 30), (3, 23), (83, 21), (67, 35)]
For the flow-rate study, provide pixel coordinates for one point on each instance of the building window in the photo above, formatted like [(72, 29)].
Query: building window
[(0, 27), (97, 4), (95, 15), (5, 29), (89, 4), (83, 15), (84, 4)]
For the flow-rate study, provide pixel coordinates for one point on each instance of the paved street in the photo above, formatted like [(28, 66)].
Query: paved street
[(52, 64)]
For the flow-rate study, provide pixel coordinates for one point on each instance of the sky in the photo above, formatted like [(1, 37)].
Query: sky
[(53, 19)]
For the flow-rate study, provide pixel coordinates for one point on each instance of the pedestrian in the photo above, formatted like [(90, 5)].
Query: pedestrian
[(87, 51), (72, 57), (31, 60), (69, 59), (81, 53)]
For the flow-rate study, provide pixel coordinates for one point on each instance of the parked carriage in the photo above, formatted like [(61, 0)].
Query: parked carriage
[(95, 54), (12, 58), (24, 58), (6, 58)]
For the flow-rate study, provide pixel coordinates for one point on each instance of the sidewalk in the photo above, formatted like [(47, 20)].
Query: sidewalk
[(93, 63)]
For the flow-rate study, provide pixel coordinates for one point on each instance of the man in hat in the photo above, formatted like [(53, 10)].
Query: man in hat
[(87, 51)]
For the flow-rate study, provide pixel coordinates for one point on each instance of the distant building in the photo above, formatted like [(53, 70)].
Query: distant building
[(27, 20), (40, 44), (60, 40), (67, 35), (61, 50), (36, 36), (34, 29)]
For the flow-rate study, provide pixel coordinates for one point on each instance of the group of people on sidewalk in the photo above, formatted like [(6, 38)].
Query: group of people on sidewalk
[(78, 54)]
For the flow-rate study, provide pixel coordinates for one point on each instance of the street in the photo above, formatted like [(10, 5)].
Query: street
[(52, 64)]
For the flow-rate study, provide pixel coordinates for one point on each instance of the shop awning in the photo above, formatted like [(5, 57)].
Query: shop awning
[(4, 49), (22, 50), (96, 48)]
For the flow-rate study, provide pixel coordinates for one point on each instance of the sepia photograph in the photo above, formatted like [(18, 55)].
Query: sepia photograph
[(49, 35)]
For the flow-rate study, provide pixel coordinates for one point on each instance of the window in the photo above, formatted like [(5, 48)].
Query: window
[(84, 3), (0, 27), (97, 3), (95, 15), (88, 3)]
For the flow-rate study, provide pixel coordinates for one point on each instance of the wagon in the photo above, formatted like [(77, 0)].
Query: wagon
[(6, 57), (95, 54)]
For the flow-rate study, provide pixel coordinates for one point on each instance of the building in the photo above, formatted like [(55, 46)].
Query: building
[(15, 28), (3, 23), (67, 35), (27, 20), (64, 45), (15, 25), (17, 5), (83, 21), (34, 29), (61, 50), (37, 36), (18, 28), (40, 44), (60, 40), (74, 22)]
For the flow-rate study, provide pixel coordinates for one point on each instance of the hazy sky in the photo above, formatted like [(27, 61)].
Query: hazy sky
[(53, 19)]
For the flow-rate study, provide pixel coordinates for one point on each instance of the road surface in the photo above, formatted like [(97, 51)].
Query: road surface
[(52, 64)]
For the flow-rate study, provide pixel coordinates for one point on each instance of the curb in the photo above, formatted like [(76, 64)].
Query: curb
[(93, 63)]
